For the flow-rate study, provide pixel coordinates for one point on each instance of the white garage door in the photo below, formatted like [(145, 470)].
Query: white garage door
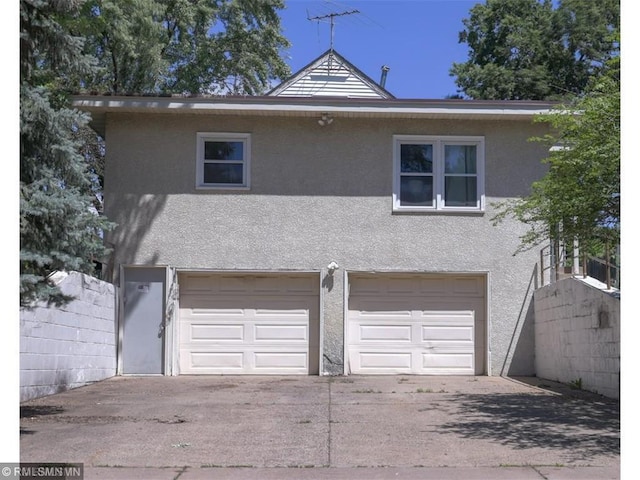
[(249, 324), (416, 324)]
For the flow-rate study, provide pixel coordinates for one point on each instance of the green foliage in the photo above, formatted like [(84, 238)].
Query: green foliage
[(579, 197), (527, 50), (183, 46), (59, 229), (576, 384), (116, 46)]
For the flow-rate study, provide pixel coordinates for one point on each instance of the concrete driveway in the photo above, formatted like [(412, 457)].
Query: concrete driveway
[(234, 427)]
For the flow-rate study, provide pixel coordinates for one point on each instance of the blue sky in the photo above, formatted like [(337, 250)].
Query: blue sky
[(417, 39)]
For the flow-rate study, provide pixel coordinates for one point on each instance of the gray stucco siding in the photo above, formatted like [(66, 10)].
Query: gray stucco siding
[(351, 157), (319, 195)]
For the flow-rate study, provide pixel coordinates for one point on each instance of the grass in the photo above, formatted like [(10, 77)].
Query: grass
[(576, 384), (429, 390), (424, 390)]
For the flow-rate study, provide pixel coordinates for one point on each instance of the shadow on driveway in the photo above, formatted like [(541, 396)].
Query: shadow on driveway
[(582, 427)]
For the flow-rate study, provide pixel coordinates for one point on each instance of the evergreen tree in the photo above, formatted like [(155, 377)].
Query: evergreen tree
[(59, 226), (529, 50)]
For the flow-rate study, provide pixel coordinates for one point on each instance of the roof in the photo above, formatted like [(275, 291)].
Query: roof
[(328, 85), (330, 75), (338, 107)]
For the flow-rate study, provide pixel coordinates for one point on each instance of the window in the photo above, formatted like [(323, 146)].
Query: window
[(223, 160), (438, 173)]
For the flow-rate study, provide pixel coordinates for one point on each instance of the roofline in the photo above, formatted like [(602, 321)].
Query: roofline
[(98, 106), (261, 102), (383, 92)]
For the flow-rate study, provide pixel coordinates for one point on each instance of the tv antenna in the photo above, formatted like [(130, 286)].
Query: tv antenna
[(331, 16)]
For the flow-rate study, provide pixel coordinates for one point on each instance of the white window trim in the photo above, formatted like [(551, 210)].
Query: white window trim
[(438, 142), (202, 137)]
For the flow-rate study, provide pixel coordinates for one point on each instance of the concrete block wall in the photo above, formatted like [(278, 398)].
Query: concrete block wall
[(71, 346), (577, 335)]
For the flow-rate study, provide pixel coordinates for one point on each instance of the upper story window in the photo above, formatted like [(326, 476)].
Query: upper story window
[(223, 160), (438, 173)]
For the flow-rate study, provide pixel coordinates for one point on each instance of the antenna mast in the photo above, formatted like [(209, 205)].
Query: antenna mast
[(331, 16)]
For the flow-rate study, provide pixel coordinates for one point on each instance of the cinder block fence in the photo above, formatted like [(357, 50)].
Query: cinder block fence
[(577, 336), (71, 346)]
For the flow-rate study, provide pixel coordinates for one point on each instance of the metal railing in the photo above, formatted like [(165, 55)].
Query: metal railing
[(604, 270), (562, 262)]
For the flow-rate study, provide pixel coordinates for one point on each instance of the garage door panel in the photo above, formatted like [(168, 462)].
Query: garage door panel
[(398, 286), (242, 361), (365, 286), (380, 307), (372, 333), (213, 302), (468, 286), (248, 284), (289, 313), (433, 286), (217, 313), (422, 325), (455, 316), (214, 360), (448, 361), (375, 361), (215, 333), (281, 333), (195, 284), (248, 324), (367, 307), (230, 284), (384, 313), (433, 334), (294, 362), (207, 304), (200, 307)]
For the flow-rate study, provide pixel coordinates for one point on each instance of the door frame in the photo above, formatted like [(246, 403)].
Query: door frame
[(167, 339)]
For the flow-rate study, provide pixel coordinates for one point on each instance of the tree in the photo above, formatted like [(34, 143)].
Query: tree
[(59, 228), (183, 46), (176, 46), (579, 197), (527, 50)]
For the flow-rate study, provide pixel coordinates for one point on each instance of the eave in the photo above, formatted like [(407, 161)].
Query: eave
[(338, 107)]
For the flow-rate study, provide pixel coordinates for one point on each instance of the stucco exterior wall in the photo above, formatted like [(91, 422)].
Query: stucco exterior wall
[(577, 336), (320, 195), (70, 346)]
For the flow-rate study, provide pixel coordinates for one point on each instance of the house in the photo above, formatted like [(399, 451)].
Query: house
[(325, 228)]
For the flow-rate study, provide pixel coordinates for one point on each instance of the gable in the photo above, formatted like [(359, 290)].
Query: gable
[(330, 75)]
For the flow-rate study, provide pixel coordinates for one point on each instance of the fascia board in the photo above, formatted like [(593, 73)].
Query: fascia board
[(337, 109)]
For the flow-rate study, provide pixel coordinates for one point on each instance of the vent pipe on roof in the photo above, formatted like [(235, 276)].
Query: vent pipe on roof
[(383, 77)]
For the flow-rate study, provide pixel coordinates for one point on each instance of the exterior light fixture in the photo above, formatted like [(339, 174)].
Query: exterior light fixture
[(325, 120)]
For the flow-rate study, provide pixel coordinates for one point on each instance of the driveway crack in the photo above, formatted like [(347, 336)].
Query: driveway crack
[(184, 469), (539, 473)]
